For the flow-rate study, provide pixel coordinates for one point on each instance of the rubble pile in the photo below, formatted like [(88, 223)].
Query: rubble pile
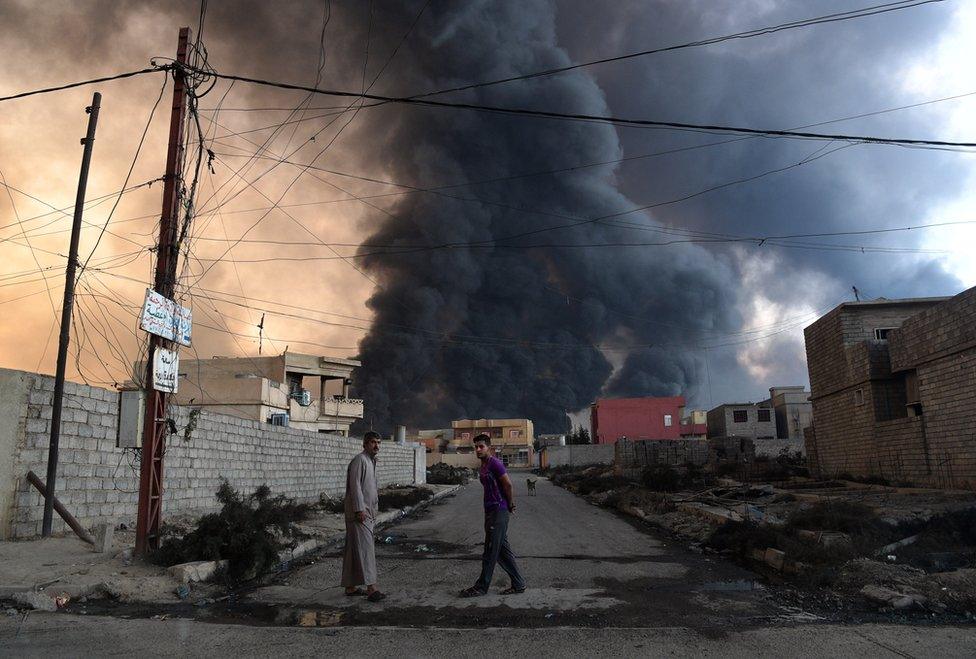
[(887, 548), (445, 474), (391, 497), (402, 496)]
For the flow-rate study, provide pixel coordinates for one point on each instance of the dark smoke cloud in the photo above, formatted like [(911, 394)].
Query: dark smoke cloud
[(785, 80), (495, 332), (519, 340)]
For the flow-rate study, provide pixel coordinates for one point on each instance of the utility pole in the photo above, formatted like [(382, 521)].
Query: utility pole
[(155, 428), (66, 307)]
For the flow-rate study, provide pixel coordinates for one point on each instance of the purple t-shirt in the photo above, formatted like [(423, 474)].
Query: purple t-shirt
[(490, 474)]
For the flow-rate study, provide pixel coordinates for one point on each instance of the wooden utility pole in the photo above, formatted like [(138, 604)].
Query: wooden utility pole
[(155, 428), (66, 308)]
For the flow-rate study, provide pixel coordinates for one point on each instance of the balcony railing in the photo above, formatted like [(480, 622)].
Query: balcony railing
[(341, 407)]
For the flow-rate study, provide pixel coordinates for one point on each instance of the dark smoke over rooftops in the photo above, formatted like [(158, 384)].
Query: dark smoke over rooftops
[(498, 332), (672, 299)]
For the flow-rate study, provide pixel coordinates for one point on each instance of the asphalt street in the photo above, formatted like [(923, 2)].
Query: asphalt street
[(598, 585), (584, 566)]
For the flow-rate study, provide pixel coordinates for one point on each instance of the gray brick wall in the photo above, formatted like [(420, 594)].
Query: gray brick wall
[(98, 482), (632, 457), (578, 455), (870, 433)]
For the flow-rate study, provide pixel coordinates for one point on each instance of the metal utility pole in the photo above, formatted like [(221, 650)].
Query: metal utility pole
[(155, 428), (66, 307)]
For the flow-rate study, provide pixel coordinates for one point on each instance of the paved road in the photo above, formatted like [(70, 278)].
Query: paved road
[(584, 565), (598, 586)]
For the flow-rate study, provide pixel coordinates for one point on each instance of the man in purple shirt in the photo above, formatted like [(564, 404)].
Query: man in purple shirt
[(499, 504)]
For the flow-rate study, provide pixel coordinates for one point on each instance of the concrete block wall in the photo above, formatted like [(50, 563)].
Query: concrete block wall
[(939, 344), (773, 448), (577, 455), (861, 424), (632, 457), (99, 482)]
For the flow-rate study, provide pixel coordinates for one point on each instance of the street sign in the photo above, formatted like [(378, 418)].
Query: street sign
[(163, 317), (166, 370)]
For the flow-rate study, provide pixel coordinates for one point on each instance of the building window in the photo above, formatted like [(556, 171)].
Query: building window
[(667, 420), (912, 398), (740, 416), (763, 415), (514, 434), (859, 397), (881, 333)]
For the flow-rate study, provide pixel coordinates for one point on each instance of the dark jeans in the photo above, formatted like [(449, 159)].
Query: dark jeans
[(497, 550)]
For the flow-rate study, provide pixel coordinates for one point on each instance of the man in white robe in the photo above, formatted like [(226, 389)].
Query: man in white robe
[(361, 508)]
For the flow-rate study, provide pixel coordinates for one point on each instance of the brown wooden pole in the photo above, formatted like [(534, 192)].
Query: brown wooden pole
[(61, 510), (66, 310)]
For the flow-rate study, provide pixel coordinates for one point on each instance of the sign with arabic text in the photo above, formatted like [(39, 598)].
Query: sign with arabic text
[(166, 370), (164, 317)]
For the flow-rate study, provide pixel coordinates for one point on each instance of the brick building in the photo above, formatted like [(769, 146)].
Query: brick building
[(893, 387), (755, 420), (641, 418)]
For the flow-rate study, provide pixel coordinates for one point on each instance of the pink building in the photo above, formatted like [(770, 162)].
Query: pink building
[(641, 418)]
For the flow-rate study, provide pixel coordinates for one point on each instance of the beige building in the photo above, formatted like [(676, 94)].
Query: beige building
[(301, 391), (511, 438)]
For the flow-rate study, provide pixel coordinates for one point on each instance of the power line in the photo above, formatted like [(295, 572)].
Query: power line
[(748, 34), (607, 119), (409, 189), (93, 81), (64, 211), (128, 175)]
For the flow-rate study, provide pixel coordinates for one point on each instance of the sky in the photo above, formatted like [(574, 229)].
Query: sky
[(490, 330)]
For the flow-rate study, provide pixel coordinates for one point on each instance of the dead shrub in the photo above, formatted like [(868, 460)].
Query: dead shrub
[(248, 532)]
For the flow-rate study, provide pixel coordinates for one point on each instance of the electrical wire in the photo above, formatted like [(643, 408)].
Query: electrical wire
[(128, 175), (607, 119), (863, 12), (93, 81)]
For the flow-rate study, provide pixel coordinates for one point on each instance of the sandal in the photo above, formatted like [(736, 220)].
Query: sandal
[(513, 591), (358, 591), (376, 596), (473, 591)]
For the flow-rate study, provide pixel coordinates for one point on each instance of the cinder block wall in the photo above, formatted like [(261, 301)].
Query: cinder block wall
[(854, 432), (773, 448), (939, 344), (632, 457), (99, 482), (578, 455)]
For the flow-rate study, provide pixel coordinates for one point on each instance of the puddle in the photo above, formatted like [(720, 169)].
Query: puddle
[(317, 618), (740, 586)]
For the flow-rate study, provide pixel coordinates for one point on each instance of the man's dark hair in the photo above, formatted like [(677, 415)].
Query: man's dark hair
[(371, 434), (484, 438)]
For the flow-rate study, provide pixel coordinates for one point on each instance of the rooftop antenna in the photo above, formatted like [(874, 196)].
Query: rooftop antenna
[(261, 334), (857, 294)]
